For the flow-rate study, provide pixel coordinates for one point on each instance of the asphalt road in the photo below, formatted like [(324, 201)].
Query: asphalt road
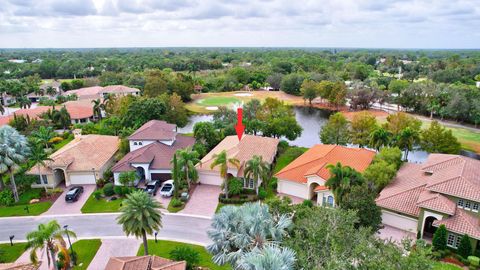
[(175, 227)]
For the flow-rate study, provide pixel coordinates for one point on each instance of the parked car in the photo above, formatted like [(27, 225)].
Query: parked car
[(73, 194), (167, 188), (152, 187)]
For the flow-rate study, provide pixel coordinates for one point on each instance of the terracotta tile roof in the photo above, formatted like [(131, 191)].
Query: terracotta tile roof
[(79, 109), (320, 188), (86, 92), (33, 113), (82, 154), (461, 223), (317, 158), (437, 202), (116, 89), (155, 130), (144, 263), (157, 154), (243, 150)]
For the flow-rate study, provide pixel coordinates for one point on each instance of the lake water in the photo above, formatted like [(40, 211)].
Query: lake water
[(311, 120)]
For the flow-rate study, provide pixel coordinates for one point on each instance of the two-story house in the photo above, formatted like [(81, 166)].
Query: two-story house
[(443, 190), (151, 149), (305, 177)]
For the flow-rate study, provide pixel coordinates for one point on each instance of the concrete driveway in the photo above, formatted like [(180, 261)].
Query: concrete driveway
[(203, 202), (60, 207), (163, 200)]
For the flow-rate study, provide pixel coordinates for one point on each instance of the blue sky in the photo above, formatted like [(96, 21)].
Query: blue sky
[(267, 23)]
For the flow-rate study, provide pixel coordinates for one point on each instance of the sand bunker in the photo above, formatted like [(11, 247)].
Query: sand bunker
[(212, 108), (243, 94)]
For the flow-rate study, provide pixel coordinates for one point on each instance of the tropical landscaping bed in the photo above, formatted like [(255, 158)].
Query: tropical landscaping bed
[(85, 251), (164, 248), (97, 203), (10, 253), (24, 208)]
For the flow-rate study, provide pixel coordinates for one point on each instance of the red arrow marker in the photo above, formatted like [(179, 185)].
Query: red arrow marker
[(239, 127)]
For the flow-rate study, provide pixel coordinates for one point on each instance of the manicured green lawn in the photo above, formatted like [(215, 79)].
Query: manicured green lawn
[(101, 206), (19, 210), (445, 266), (163, 249), (217, 101), (9, 253), (470, 140), (291, 153), (28, 195), (172, 209), (86, 250)]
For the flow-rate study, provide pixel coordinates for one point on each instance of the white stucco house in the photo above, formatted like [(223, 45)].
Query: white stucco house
[(305, 177)]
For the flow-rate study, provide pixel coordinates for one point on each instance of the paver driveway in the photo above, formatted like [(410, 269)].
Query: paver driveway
[(203, 202), (60, 207), (114, 248), (163, 200)]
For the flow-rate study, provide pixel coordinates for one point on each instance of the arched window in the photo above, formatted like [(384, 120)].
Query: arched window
[(134, 143), (139, 143), (330, 200)]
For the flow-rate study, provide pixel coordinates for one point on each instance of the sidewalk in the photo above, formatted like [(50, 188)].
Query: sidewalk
[(114, 248)]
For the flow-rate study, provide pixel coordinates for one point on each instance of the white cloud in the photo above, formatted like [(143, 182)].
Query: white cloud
[(321, 23)]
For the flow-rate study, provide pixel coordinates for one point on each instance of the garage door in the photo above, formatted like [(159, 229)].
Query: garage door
[(399, 221), (82, 179), (161, 176), (210, 179)]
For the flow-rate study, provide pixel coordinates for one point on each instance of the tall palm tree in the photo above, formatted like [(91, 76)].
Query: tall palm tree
[(257, 169), (186, 162), (140, 215), (13, 151), (50, 91), (222, 161), (61, 117), (39, 156), (237, 230), (43, 135), (97, 108), (380, 138), (270, 257), (406, 140), (341, 180), (175, 175), (24, 102), (49, 237)]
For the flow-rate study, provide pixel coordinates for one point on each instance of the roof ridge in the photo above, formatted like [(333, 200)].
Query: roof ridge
[(463, 212), (395, 194), (444, 161), (302, 164)]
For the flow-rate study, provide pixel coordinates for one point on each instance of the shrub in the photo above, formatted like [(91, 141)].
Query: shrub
[(6, 197), (307, 203), (465, 247), (474, 260), (118, 190), (249, 191), (55, 140), (97, 194), (188, 254), (262, 193), (108, 174), (439, 240), (108, 189), (176, 202), (101, 182), (235, 186), (273, 183)]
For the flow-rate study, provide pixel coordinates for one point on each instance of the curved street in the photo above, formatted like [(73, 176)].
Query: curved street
[(178, 227)]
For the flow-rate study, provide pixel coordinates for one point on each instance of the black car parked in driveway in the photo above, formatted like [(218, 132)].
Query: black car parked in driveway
[(73, 194), (152, 187)]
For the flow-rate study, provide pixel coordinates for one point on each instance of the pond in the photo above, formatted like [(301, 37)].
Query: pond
[(311, 120)]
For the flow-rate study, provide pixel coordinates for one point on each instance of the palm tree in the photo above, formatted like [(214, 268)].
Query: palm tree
[(342, 178), (257, 169), (380, 138), (43, 135), (186, 162), (238, 230), (270, 257), (24, 102), (140, 215), (2, 108), (175, 175), (50, 91), (13, 151), (406, 140), (61, 117), (97, 108), (222, 161), (49, 237), (39, 156)]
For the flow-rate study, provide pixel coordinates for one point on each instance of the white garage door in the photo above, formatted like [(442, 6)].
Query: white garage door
[(210, 178), (293, 188), (82, 179), (399, 221)]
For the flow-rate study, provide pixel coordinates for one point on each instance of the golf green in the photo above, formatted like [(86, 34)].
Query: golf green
[(217, 101)]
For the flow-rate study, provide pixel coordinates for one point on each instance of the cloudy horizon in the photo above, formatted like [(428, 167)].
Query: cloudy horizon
[(240, 23)]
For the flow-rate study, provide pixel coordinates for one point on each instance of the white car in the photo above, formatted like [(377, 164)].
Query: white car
[(167, 188)]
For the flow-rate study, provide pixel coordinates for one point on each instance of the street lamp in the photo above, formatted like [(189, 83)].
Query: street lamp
[(11, 239), (74, 259), (156, 233)]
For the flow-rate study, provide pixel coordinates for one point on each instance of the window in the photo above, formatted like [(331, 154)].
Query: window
[(330, 200), (38, 181), (467, 205), (140, 143), (460, 203), (134, 143), (250, 184), (41, 180), (451, 240), (475, 207), (45, 179)]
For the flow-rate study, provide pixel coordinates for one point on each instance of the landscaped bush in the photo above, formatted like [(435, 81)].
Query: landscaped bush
[(108, 189), (224, 200), (97, 194), (307, 203), (235, 186), (55, 140), (474, 261), (273, 183), (249, 191), (176, 202), (108, 174), (465, 247), (101, 182), (439, 240), (188, 254), (6, 197), (262, 193), (118, 190)]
